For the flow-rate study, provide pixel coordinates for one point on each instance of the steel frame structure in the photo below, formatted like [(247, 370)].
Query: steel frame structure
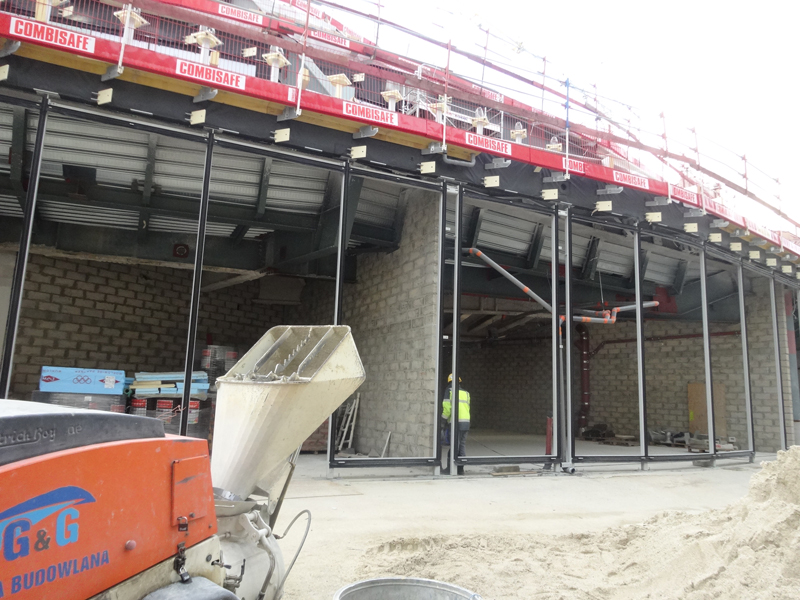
[(564, 452)]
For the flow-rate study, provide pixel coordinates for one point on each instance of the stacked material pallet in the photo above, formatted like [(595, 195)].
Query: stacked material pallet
[(159, 395), (107, 402), (169, 385), (218, 360)]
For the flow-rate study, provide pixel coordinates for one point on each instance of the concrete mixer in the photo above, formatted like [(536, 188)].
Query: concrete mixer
[(106, 506)]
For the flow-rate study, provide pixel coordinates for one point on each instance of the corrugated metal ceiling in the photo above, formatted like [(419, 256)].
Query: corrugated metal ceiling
[(119, 156)]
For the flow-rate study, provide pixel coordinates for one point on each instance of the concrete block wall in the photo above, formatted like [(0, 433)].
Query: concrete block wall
[(763, 379), (510, 385), (670, 366), (90, 314), (393, 312)]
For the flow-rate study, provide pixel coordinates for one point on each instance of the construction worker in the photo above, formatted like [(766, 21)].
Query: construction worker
[(463, 419)]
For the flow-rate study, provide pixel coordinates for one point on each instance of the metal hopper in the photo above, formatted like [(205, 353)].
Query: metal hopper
[(275, 397)]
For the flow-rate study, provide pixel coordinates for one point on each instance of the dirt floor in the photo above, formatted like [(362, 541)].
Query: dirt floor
[(677, 531)]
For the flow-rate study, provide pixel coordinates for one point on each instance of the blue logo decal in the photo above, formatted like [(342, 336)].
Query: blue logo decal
[(17, 520)]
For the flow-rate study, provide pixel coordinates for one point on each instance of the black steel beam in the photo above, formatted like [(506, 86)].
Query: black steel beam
[(569, 417), (194, 302), (326, 237), (590, 260), (237, 235), (18, 282), (680, 278), (147, 191), (400, 217), (263, 187), (98, 242), (474, 230), (555, 339), (174, 206), (455, 385), (261, 202), (535, 250), (19, 127), (168, 111), (644, 258), (440, 323)]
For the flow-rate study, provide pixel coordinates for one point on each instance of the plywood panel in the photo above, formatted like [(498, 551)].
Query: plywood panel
[(698, 411)]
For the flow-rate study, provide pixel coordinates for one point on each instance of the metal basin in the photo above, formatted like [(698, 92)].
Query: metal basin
[(397, 588)]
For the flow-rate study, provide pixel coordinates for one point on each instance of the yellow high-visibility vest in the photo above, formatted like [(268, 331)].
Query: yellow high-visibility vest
[(463, 406)]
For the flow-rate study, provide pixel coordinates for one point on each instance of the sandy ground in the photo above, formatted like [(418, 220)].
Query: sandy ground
[(551, 536)]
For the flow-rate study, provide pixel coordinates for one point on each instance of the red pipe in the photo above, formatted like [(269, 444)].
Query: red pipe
[(685, 336), (587, 354)]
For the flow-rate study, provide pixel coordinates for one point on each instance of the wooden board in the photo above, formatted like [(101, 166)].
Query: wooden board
[(698, 410)]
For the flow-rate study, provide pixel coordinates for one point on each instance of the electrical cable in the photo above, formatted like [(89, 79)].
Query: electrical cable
[(296, 554)]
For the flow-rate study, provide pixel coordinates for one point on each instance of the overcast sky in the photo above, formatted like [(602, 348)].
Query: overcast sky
[(727, 68)]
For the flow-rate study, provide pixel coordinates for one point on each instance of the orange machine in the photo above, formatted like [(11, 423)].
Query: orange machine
[(78, 521), (106, 506)]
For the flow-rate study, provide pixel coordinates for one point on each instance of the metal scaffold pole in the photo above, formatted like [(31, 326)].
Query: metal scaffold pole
[(20, 268), (454, 403), (640, 362), (194, 303), (712, 446)]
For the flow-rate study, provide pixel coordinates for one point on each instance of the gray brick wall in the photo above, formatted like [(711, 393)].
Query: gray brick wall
[(90, 314), (510, 385), (762, 366), (393, 311), (672, 364)]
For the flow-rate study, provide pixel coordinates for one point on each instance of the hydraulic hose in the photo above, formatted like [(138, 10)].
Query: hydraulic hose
[(272, 561), (296, 554)]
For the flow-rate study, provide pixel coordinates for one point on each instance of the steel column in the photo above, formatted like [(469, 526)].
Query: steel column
[(638, 276), (748, 400), (454, 403), (778, 370), (569, 449), (712, 446), (440, 322), (194, 303), (18, 284), (338, 309), (556, 338), (342, 250)]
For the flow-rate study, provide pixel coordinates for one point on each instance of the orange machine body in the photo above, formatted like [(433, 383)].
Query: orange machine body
[(76, 522)]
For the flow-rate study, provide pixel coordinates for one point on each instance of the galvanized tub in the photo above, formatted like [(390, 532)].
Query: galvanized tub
[(399, 588)]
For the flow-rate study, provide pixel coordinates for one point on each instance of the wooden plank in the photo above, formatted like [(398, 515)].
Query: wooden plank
[(698, 410)]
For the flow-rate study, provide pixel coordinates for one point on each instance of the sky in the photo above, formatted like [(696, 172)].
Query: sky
[(727, 69)]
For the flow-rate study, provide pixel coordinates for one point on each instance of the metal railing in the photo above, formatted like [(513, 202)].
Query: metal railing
[(462, 101)]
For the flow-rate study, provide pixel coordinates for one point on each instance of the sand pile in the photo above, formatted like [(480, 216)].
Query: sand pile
[(749, 550)]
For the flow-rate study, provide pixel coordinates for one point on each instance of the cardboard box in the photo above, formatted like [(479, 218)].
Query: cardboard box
[(81, 381)]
